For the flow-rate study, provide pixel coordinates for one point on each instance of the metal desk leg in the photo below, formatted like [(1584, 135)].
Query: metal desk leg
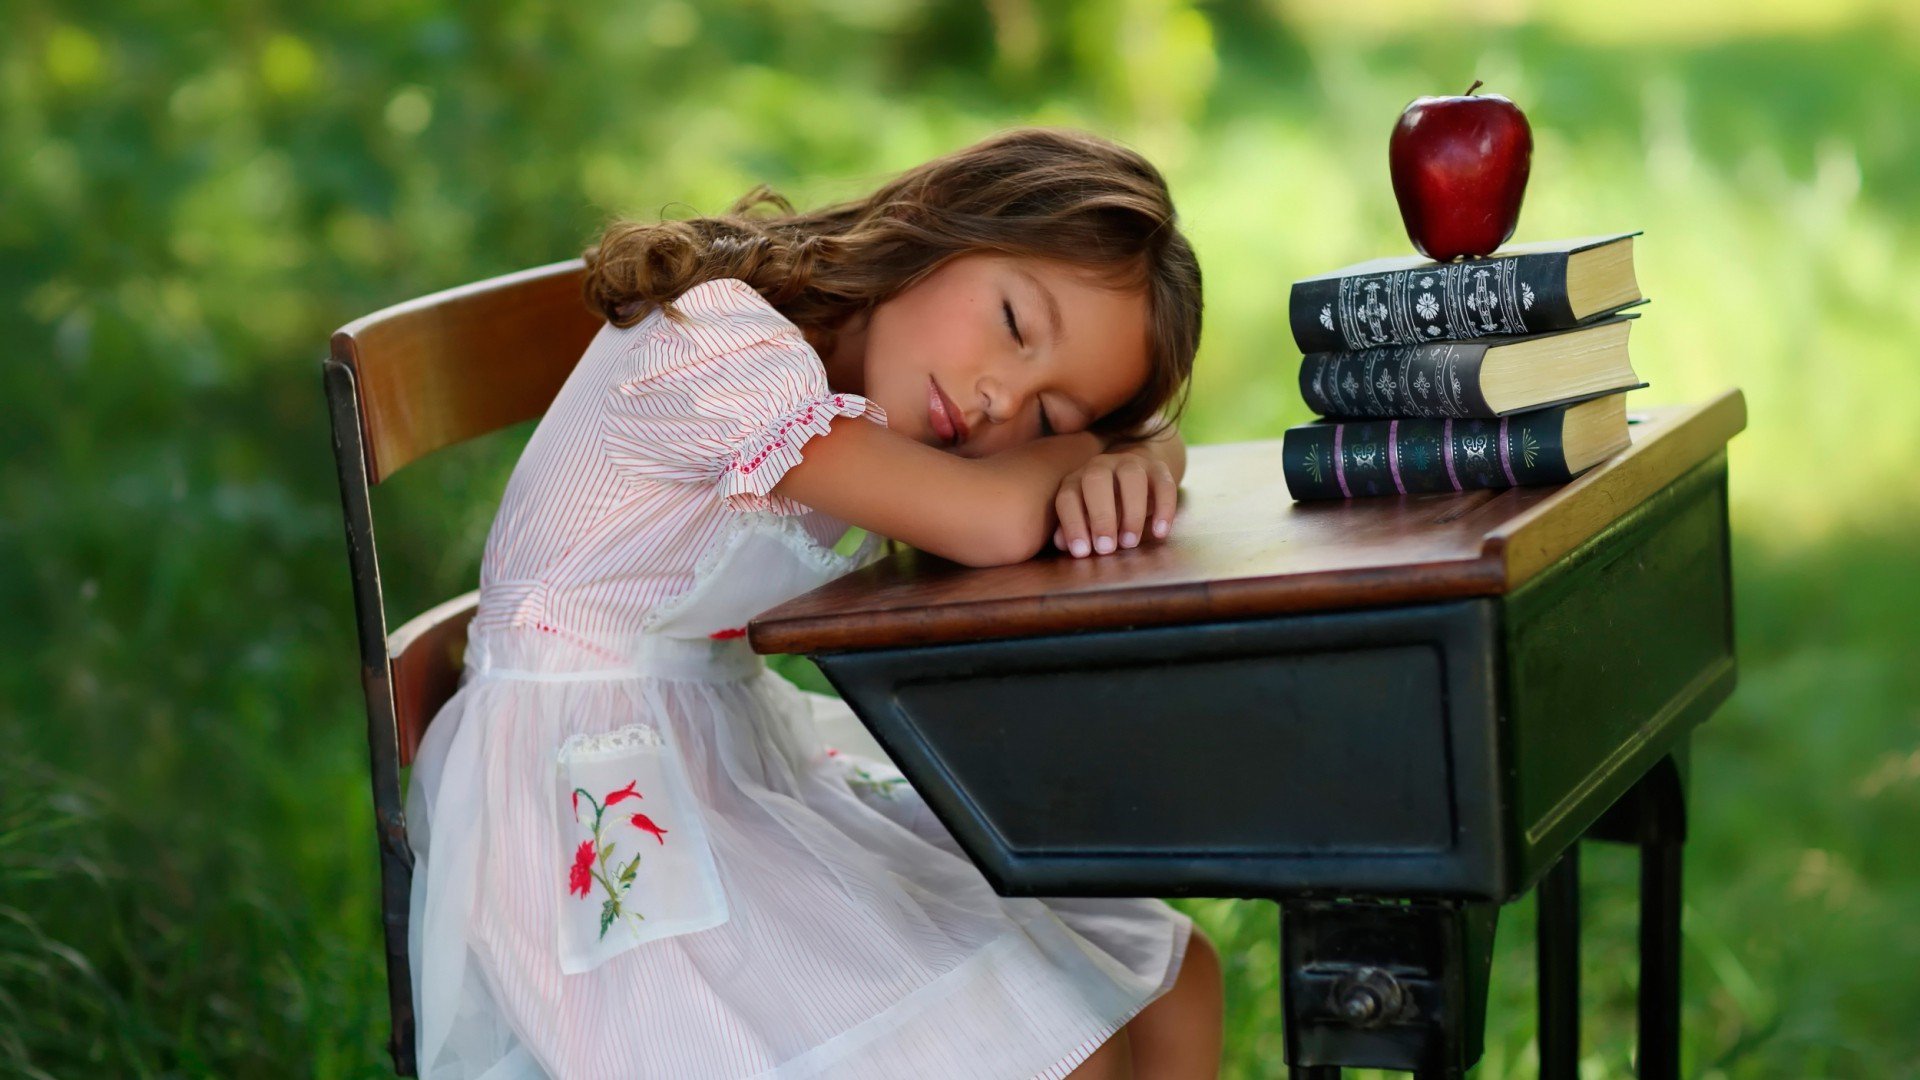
[(1558, 898), (1653, 815), (1659, 1056)]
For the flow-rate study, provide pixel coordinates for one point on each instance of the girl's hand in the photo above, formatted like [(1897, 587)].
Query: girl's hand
[(1113, 501)]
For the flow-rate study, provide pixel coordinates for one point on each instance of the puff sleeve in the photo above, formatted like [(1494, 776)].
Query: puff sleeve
[(727, 398)]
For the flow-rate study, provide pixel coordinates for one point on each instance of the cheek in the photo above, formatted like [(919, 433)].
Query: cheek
[(904, 346), (897, 363), (890, 384)]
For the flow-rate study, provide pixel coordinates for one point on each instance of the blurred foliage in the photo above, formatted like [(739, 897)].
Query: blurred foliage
[(191, 200)]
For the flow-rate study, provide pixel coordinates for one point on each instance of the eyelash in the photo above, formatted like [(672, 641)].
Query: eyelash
[(1046, 428)]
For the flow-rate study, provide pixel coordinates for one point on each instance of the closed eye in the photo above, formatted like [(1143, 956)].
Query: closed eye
[(1006, 307)]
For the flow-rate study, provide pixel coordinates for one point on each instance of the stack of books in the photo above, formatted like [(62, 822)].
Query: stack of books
[(1496, 372)]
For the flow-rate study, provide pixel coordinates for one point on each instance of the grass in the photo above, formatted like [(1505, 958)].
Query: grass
[(186, 860)]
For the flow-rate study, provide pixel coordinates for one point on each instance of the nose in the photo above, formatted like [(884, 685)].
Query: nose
[(1001, 399)]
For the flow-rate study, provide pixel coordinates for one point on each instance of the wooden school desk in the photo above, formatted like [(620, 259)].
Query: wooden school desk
[(1390, 715)]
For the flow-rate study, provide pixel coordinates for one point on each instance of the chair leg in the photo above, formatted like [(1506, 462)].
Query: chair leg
[(1558, 962)]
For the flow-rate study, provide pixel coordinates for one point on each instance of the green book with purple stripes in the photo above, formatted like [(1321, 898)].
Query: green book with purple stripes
[(1419, 455)]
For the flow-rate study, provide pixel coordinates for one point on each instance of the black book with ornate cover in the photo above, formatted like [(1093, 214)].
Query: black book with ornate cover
[(1457, 378), (1520, 289)]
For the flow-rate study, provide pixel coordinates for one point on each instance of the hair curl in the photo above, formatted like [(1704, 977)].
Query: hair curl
[(1042, 192)]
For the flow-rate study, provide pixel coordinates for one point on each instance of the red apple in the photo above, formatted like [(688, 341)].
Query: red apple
[(1459, 169)]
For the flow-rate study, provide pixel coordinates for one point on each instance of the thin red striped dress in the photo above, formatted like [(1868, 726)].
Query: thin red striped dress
[(635, 855)]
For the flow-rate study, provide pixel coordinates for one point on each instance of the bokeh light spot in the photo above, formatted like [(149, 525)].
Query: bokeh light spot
[(288, 66), (73, 57)]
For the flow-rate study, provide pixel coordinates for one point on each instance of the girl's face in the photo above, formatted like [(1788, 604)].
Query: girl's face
[(990, 351)]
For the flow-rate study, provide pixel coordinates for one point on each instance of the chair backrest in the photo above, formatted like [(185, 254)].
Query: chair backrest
[(401, 383), (461, 363)]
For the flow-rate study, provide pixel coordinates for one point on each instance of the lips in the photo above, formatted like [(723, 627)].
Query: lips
[(944, 415)]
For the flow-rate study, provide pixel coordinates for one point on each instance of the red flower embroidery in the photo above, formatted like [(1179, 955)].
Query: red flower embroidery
[(645, 823), (615, 879), (580, 880)]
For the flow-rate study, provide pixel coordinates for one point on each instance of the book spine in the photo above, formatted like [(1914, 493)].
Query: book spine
[(1417, 456), (1439, 380), (1518, 294)]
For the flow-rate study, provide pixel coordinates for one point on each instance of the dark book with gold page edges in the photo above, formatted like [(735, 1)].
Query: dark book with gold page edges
[(1519, 289), (1485, 377)]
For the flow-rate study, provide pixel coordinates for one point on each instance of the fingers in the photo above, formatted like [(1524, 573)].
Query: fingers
[(1104, 509), (1097, 488), (1135, 491), (1085, 507), (1073, 521), (1166, 496)]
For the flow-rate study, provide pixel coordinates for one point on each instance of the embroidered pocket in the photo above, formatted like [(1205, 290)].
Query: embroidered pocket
[(638, 867)]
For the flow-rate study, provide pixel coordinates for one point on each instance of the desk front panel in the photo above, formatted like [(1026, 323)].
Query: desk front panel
[(1216, 760)]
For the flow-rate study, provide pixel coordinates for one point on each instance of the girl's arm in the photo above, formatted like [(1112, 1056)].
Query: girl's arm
[(986, 511)]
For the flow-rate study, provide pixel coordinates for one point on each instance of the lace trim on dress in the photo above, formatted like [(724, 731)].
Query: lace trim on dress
[(765, 456), (788, 530), (584, 746)]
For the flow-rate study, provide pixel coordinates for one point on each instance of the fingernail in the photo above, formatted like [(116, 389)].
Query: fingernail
[(1079, 548), (1103, 544), (1129, 539), (1160, 528)]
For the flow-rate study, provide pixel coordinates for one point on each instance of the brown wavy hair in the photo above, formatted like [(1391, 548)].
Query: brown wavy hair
[(1043, 192)]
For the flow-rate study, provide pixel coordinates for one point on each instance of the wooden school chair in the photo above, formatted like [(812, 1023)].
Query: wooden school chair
[(402, 383)]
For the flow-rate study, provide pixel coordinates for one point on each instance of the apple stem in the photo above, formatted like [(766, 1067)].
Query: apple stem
[(1471, 89)]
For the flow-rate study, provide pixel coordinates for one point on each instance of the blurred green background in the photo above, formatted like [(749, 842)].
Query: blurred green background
[(192, 199)]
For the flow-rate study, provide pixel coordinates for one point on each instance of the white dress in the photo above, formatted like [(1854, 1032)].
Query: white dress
[(635, 857)]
